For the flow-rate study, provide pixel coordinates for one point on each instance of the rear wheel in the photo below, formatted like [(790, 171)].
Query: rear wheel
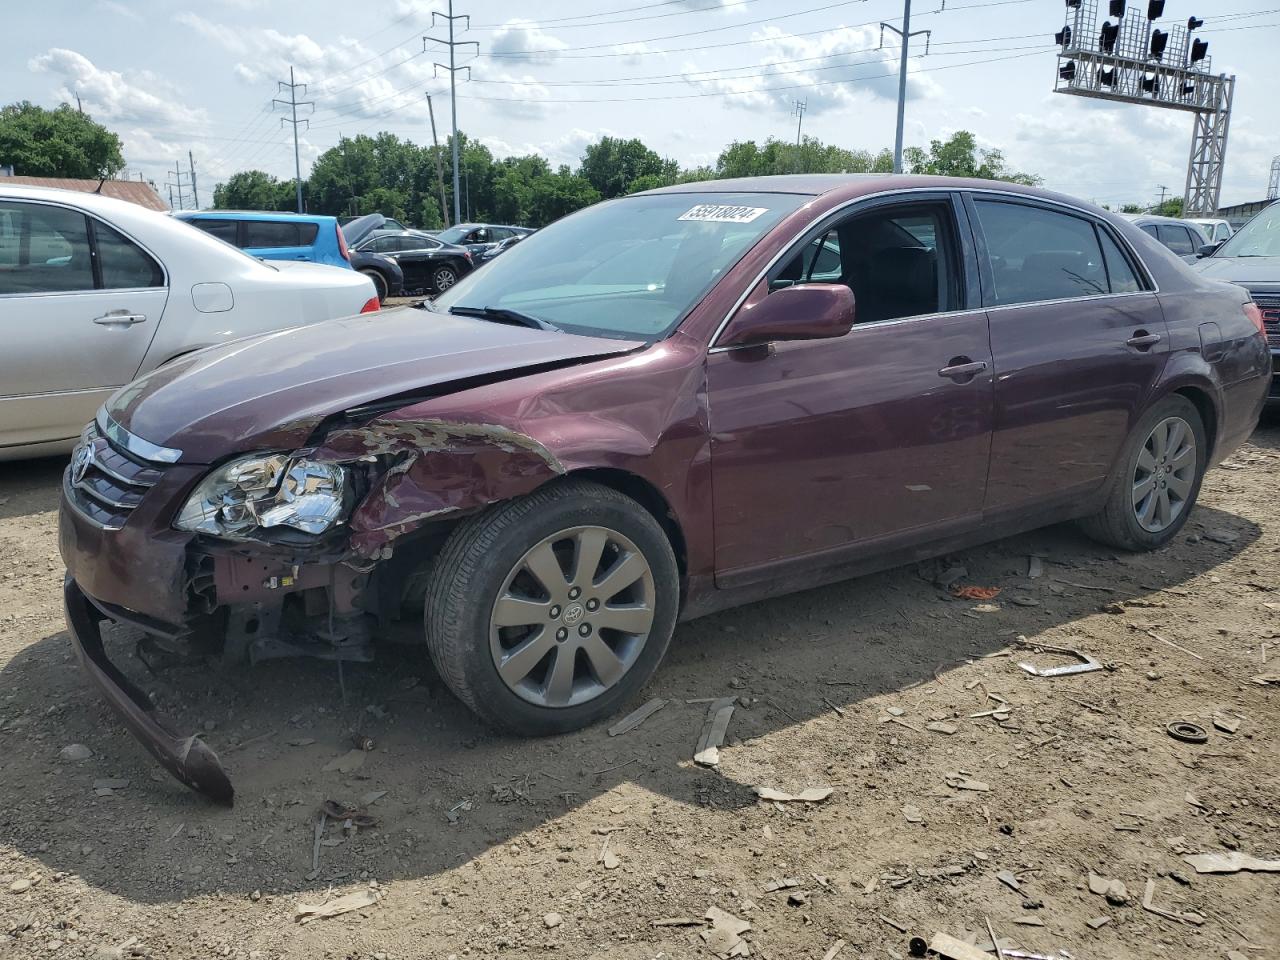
[(444, 277), (1158, 481), (379, 283), (546, 613)]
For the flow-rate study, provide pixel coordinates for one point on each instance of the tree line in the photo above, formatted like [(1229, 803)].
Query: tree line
[(398, 178)]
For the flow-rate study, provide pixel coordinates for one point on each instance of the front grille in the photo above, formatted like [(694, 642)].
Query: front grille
[(1270, 307), (104, 483)]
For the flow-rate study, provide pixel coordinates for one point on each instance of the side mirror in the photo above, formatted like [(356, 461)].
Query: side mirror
[(804, 312), (1209, 249)]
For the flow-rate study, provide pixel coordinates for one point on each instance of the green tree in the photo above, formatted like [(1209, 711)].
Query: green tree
[(961, 157), (1131, 208), (254, 190), (559, 194), (613, 164), (1170, 208), (748, 159), (57, 143)]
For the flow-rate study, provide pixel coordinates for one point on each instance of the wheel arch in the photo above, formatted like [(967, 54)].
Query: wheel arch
[(1205, 405), (648, 496)]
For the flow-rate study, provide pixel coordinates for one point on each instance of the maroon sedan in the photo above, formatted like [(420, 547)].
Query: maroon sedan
[(656, 408)]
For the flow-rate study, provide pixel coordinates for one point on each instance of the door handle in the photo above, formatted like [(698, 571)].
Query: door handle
[(962, 369), (1142, 340), (119, 318)]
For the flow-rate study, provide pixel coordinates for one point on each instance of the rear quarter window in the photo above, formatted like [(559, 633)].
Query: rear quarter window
[(278, 233), (222, 229)]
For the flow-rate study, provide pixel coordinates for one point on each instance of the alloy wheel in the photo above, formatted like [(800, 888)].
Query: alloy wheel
[(573, 616), (445, 278), (1165, 474)]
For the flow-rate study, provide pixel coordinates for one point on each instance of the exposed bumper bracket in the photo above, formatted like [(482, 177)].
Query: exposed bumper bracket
[(189, 759)]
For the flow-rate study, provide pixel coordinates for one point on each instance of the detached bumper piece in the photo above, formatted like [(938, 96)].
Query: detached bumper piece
[(188, 758)]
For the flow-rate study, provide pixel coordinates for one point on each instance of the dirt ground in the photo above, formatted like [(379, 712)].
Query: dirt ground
[(489, 846)]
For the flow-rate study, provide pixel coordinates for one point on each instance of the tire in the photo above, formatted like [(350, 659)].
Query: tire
[(444, 277), (1121, 522), (379, 283), (484, 562)]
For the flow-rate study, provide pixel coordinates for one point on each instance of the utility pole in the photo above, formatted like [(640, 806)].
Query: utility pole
[(435, 142), (79, 105), (906, 35), (177, 182), (467, 175), (293, 103), (1163, 191), (195, 194), (798, 111), (453, 69)]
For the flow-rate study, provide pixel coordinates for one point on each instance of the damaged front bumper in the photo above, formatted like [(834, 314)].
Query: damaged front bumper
[(189, 759)]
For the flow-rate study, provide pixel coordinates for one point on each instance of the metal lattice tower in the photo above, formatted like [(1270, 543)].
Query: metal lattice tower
[(1131, 58), (1273, 185)]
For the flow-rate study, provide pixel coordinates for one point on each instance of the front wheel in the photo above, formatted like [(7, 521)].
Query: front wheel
[(546, 613), (1158, 480), (444, 277)]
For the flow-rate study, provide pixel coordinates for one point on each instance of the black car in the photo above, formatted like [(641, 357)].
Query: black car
[(387, 277), (479, 237), (429, 266), (388, 223), (1251, 258)]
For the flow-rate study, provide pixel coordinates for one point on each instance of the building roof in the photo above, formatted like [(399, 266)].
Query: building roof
[(134, 191)]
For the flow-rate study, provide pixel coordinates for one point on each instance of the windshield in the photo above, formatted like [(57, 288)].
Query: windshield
[(1260, 237), (629, 268)]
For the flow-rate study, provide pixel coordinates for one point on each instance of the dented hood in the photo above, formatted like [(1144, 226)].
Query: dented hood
[(270, 392)]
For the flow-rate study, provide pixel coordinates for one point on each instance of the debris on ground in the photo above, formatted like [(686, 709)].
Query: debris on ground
[(453, 814), (834, 950), (638, 716), (607, 857), (1113, 890), (1008, 879), (808, 795), (941, 726), (1225, 723), (349, 762), (714, 729), (552, 920), (1187, 732), (359, 900), (1190, 917), (1219, 535), (1035, 567), (951, 948), (912, 813), (975, 593), (960, 781), (1098, 922), (1232, 862), (774, 884), (75, 752), (724, 938), (1087, 663)]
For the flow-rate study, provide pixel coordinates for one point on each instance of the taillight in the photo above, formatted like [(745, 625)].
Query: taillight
[(342, 247), (370, 305), (1254, 313), (467, 255)]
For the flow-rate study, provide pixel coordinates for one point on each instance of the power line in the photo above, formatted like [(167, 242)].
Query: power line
[(905, 35), (608, 13), (293, 105), (595, 21)]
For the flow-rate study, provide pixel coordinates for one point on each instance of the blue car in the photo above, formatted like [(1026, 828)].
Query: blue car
[(276, 236)]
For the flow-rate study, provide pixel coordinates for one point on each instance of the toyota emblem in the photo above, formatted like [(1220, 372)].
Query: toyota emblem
[(80, 462)]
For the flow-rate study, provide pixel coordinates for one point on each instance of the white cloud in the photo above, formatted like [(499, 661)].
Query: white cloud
[(635, 53), (833, 71), (523, 41), (120, 9), (564, 149), (111, 95)]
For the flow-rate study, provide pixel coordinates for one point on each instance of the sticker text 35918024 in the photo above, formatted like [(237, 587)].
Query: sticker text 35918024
[(722, 213)]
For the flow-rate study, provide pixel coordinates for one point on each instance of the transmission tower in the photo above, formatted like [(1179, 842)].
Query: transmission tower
[(1273, 185), (178, 201), (453, 70), (1132, 60), (293, 103)]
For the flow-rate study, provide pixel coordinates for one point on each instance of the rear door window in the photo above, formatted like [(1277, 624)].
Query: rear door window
[(278, 233), (123, 263), (1176, 238), (1120, 273), (43, 249), (1037, 254)]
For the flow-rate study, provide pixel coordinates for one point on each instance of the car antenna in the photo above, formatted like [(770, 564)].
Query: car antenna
[(100, 183)]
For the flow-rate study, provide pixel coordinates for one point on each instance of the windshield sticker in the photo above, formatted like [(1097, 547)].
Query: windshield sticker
[(722, 213)]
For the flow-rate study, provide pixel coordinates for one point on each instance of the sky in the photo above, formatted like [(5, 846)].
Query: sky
[(687, 77)]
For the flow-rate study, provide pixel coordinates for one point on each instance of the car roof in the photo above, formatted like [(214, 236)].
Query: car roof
[(273, 215)]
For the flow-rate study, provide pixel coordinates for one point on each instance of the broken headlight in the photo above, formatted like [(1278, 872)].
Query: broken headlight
[(263, 491)]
